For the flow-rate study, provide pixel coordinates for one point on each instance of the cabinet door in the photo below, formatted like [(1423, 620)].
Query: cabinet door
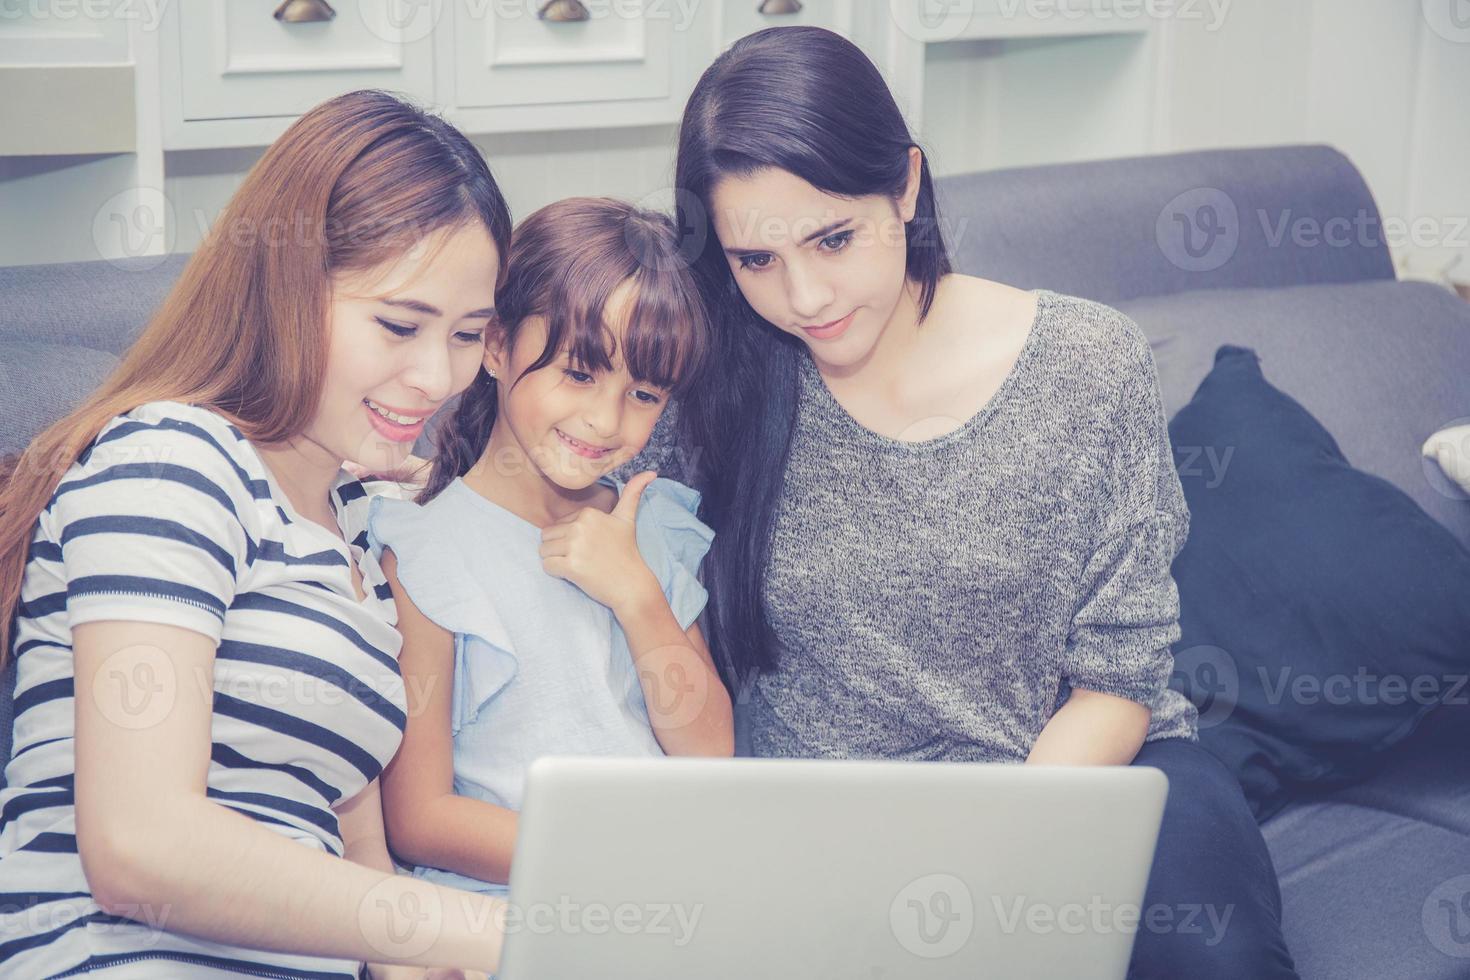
[(629, 62), (235, 61)]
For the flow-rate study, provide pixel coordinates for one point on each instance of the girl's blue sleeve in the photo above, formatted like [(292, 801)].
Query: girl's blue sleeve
[(673, 542), (433, 571)]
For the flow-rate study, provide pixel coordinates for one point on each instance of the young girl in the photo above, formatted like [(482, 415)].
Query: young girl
[(546, 606)]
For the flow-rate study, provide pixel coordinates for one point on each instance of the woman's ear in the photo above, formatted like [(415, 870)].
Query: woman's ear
[(908, 205), (495, 359)]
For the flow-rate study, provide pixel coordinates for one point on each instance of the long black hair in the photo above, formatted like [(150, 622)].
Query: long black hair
[(566, 261), (809, 102)]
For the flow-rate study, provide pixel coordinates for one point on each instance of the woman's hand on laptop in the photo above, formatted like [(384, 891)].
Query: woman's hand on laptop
[(390, 971)]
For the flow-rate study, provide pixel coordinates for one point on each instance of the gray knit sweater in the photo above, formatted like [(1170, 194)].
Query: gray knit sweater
[(940, 599)]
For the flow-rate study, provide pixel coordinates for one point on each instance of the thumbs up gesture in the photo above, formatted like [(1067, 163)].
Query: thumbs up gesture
[(598, 552)]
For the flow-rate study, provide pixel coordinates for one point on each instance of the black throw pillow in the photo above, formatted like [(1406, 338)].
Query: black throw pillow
[(1323, 613)]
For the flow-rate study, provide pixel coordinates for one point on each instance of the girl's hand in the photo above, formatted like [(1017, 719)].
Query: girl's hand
[(450, 973), (598, 552)]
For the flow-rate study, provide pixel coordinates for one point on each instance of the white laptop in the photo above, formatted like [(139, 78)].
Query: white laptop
[(764, 869)]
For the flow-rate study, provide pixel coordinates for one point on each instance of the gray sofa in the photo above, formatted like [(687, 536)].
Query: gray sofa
[(1364, 870)]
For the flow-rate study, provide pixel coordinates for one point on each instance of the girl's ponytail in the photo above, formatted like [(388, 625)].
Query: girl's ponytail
[(461, 440)]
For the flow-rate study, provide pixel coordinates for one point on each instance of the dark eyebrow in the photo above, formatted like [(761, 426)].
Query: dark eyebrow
[(419, 306), (819, 233), (824, 232)]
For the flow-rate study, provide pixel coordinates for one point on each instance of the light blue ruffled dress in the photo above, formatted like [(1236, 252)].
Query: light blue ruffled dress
[(540, 667)]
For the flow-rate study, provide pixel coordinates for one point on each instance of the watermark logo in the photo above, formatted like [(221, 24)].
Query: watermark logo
[(1446, 917), (399, 921), (135, 223), (1209, 677), (136, 687), (1208, 463), (140, 926), (1199, 230), (1121, 12), (401, 21), (148, 13), (691, 230), (932, 20), (566, 917), (933, 916), (1098, 916), (1362, 687), (670, 683), (1450, 19)]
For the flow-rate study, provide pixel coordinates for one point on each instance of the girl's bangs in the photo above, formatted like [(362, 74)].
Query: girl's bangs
[(659, 337)]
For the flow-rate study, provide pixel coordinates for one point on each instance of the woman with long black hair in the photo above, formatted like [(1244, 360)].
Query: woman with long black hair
[(946, 508)]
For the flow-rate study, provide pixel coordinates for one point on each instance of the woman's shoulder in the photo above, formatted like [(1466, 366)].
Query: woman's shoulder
[(162, 437), (1086, 347), (1103, 334), (168, 469), (1089, 351), (179, 416)]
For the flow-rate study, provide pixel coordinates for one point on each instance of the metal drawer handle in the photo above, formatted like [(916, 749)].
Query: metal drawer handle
[(304, 11), (774, 8), (564, 11)]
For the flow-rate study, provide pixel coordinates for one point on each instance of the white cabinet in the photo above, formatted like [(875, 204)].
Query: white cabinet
[(232, 74)]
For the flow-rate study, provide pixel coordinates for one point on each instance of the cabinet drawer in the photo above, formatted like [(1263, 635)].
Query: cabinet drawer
[(236, 61), (505, 55)]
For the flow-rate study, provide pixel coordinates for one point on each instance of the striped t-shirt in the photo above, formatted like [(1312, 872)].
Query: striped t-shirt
[(172, 517)]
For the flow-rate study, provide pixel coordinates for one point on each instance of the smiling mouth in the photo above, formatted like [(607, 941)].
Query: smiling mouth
[(396, 418), (582, 448)]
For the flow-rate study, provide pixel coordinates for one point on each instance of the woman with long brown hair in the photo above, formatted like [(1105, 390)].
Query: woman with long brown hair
[(207, 679)]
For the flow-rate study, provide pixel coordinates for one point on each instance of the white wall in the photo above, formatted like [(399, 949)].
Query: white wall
[(532, 169), (1372, 77), (1385, 81), (1369, 78), (1438, 161)]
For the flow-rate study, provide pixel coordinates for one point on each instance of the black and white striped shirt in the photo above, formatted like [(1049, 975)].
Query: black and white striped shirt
[(172, 517)]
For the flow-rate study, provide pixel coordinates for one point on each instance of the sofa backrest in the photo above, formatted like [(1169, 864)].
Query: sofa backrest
[(1113, 230), (1099, 230), (62, 329)]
